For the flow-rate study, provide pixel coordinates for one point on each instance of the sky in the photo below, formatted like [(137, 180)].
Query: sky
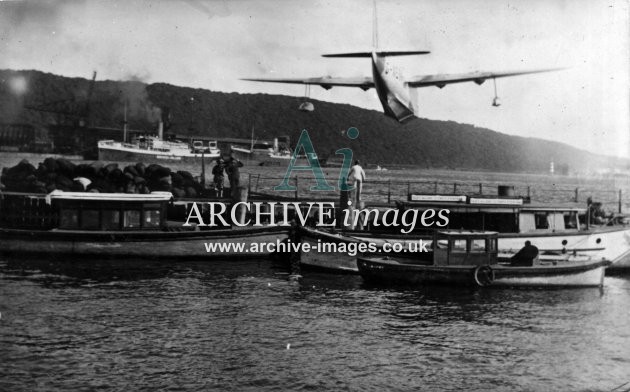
[(212, 44)]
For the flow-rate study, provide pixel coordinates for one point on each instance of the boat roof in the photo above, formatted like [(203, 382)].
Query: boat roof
[(153, 196), (488, 203), (466, 233), (555, 206)]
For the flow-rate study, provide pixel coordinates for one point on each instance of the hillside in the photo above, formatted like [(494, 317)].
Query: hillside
[(422, 142)]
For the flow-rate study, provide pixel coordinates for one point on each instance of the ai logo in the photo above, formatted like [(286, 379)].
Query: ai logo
[(305, 143)]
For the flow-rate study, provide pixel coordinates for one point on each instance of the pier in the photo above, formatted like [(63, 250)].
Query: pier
[(387, 192)]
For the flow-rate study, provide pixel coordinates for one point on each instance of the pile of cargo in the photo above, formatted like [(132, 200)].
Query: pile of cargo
[(61, 174)]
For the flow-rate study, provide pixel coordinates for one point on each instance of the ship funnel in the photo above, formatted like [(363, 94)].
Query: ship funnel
[(275, 144), (161, 130)]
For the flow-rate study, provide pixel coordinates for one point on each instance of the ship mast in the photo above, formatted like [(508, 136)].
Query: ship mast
[(125, 123), (251, 147)]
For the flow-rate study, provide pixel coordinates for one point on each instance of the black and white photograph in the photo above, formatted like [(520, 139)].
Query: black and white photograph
[(293, 195)]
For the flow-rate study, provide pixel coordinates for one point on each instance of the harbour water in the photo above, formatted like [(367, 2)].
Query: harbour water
[(138, 325), (244, 326), (543, 187)]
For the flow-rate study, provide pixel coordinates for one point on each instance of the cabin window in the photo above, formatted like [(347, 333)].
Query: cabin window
[(526, 222), (478, 245), (492, 245), (69, 219), (151, 218), (90, 219), (131, 219), (111, 219), (458, 245), (541, 220), (556, 221), (570, 220), (504, 222)]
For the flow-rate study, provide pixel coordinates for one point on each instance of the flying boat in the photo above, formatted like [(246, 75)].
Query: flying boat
[(393, 90)]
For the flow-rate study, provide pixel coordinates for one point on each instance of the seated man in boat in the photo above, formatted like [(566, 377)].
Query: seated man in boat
[(527, 256)]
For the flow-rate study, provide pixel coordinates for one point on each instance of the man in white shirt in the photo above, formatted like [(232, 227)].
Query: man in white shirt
[(358, 176)]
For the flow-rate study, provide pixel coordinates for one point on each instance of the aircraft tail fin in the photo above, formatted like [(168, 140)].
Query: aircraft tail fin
[(374, 28), (375, 50), (379, 53)]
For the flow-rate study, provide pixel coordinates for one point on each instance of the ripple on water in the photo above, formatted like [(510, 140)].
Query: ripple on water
[(243, 326)]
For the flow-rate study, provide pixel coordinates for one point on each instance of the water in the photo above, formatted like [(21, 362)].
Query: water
[(243, 326), (133, 325)]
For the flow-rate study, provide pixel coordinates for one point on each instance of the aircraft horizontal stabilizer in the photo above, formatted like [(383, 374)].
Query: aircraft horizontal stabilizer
[(402, 52), (355, 54), (380, 53)]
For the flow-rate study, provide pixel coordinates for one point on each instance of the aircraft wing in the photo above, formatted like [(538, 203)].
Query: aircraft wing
[(326, 82), (477, 77)]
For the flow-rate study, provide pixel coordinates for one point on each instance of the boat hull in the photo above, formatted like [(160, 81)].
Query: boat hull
[(575, 274), (610, 243), (149, 156), (345, 262), (186, 245)]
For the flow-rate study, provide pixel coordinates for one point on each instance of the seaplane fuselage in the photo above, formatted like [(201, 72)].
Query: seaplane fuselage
[(390, 88)]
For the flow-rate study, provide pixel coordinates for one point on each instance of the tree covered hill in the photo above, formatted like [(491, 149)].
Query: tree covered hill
[(421, 142)]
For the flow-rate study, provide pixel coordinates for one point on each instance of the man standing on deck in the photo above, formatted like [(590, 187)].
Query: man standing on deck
[(234, 175), (358, 176), (217, 172)]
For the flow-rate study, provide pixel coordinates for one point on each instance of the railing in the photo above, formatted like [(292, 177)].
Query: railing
[(22, 210), (389, 191), (29, 211)]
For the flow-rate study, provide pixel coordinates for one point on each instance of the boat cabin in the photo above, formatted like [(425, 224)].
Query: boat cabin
[(198, 146), (453, 247), (503, 214), (84, 211), (110, 211)]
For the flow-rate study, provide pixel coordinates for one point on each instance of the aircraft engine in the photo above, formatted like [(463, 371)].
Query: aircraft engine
[(306, 106)]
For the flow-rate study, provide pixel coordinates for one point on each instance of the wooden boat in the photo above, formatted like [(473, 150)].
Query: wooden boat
[(471, 258), (328, 258), (555, 228), (117, 225)]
